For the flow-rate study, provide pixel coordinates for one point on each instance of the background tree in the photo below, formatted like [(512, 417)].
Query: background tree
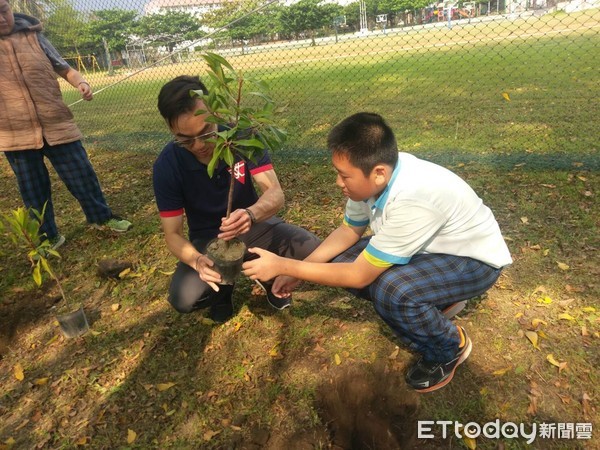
[(35, 8), (306, 16), (169, 29), (65, 28), (113, 25), (257, 26)]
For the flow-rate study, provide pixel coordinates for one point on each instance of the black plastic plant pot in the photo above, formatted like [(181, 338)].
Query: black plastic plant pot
[(228, 257), (74, 323)]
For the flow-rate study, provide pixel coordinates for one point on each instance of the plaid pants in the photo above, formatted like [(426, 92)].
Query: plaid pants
[(409, 297), (73, 167)]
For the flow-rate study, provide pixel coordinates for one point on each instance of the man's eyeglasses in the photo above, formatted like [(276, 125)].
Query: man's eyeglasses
[(190, 141)]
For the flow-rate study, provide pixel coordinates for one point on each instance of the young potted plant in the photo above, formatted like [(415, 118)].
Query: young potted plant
[(243, 112), (23, 226)]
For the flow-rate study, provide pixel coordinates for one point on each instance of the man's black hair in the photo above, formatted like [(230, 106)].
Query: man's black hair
[(366, 140), (174, 98)]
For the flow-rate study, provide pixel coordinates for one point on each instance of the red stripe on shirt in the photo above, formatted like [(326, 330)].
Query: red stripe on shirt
[(175, 213), (261, 169)]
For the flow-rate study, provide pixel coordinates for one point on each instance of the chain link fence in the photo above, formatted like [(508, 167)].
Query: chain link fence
[(493, 81)]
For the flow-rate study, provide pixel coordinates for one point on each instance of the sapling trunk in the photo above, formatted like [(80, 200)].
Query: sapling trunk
[(238, 101), (230, 199), (58, 283)]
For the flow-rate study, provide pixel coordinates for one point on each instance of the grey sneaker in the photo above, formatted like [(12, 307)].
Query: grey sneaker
[(279, 303), (57, 241), (424, 376), (116, 224)]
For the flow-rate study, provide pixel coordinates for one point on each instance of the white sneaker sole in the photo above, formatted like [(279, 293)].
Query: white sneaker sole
[(59, 243), (107, 228)]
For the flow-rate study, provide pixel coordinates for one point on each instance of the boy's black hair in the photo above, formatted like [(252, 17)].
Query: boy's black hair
[(366, 140), (174, 97)]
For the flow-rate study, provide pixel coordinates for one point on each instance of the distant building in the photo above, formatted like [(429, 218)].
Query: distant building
[(196, 8)]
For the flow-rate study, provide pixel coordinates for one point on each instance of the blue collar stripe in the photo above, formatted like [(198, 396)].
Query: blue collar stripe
[(382, 200)]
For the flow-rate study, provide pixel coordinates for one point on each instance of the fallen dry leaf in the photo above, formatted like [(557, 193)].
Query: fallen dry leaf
[(585, 404), (562, 366), (541, 289), (131, 435), (164, 386), (501, 372), (168, 273), (551, 360), (18, 371), (40, 381), (532, 408), (338, 360), (471, 443), (506, 96), (115, 307), (524, 220), (565, 303), (537, 322), (562, 266), (394, 354), (208, 435), (533, 338), (565, 316)]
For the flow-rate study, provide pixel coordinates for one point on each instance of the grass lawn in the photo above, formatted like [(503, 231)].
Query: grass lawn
[(441, 89), (148, 377)]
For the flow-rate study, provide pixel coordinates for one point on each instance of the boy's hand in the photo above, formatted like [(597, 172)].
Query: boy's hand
[(239, 222), (284, 285), (263, 268)]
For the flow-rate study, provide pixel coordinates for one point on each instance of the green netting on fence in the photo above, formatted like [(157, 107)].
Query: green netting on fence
[(493, 82)]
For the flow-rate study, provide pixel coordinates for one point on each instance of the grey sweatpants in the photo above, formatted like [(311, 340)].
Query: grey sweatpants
[(188, 292)]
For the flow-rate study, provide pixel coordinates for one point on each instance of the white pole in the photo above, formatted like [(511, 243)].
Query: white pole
[(363, 17)]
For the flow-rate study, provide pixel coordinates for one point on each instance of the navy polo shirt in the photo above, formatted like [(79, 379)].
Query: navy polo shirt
[(181, 184)]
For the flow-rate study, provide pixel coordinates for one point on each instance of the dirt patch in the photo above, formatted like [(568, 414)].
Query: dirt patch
[(19, 313), (368, 407), (220, 250)]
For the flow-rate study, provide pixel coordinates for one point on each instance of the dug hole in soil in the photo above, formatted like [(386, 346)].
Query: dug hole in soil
[(368, 407)]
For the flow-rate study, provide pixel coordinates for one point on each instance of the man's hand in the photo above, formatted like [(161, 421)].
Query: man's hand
[(239, 222), (209, 276), (263, 268)]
